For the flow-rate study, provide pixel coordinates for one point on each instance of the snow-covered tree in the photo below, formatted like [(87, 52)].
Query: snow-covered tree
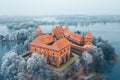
[(91, 49), (37, 67), (87, 57), (21, 34), (12, 64), (1, 37), (15, 67), (20, 76), (26, 25), (107, 49), (98, 60), (17, 35), (26, 45), (19, 48), (77, 63)]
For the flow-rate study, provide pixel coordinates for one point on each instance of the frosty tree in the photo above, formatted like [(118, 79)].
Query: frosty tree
[(12, 64), (108, 50), (87, 57), (37, 67), (15, 67), (93, 59)]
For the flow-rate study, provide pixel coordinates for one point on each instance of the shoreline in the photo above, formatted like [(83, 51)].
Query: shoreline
[(115, 57), (11, 40)]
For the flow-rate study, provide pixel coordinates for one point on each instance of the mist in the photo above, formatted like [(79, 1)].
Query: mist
[(59, 7)]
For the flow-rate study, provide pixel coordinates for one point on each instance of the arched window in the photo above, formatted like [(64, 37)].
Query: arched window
[(35, 49), (60, 53), (64, 50)]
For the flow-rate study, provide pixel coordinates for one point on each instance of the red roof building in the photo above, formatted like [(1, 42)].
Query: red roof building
[(56, 45)]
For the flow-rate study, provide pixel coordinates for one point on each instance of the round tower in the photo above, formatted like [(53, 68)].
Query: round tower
[(88, 38), (58, 32), (39, 31), (66, 28)]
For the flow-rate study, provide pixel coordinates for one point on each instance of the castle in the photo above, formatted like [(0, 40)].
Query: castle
[(57, 44)]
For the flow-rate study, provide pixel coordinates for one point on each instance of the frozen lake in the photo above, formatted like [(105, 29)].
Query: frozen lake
[(108, 32)]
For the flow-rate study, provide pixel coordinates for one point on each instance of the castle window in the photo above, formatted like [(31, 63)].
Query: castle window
[(35, 49), (68, 48), (64, 50), (53, 56)]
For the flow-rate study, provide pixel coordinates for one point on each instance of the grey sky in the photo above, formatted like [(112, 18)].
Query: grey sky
[(59, 7)]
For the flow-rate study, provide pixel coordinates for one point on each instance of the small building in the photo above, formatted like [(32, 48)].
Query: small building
[(73, 37), (78, 41)]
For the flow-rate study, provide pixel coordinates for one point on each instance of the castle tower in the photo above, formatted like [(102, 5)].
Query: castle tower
[(58, 32), (39, 31), (88, 38), (66, 28)]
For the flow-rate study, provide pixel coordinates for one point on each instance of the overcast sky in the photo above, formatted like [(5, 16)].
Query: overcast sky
[(59, 7)]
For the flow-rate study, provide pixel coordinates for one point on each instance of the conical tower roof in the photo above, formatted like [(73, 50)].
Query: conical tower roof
[(88, 35), (66, 28), (39, 30)]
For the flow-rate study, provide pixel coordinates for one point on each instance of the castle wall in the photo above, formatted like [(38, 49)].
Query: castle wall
[(53, 57)]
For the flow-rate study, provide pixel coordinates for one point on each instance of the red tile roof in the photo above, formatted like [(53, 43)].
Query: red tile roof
[(59, 28), (45, 39), (88, 35), (62, 43), (66, 28), (42, 41), (73, 36)]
